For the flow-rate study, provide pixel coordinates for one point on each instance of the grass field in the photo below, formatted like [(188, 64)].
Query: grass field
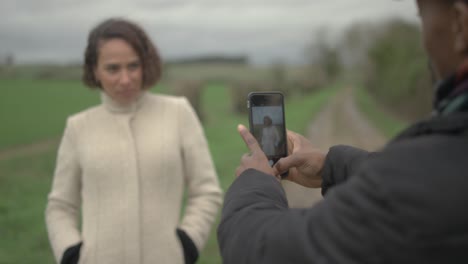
[(35, 110), (32, 110)]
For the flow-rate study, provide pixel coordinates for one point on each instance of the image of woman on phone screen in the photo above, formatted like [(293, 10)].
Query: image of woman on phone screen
[(270, 137), (123, 165)]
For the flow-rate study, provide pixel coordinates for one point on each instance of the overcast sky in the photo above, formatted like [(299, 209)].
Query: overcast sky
[(266, 30)]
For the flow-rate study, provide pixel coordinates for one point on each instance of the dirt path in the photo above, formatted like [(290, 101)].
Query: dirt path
[(29, 150), (340, 122)]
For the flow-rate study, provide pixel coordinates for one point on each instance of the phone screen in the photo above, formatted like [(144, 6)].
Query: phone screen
[(267, 124)]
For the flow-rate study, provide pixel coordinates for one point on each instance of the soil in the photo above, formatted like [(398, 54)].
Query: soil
[(29, 150)]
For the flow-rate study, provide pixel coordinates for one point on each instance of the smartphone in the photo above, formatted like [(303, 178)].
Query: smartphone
[(267, 123)]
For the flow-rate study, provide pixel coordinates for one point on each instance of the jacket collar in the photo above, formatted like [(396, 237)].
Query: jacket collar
[(114, 107), (453, 124), (451, 94)]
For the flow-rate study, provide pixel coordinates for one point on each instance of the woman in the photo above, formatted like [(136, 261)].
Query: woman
[(270, 137), (125, 163)]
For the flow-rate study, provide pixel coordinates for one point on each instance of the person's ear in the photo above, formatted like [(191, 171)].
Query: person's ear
[(460, 27)]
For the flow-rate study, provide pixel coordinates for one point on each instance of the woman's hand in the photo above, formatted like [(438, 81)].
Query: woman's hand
[(304, 162), (256, 159)]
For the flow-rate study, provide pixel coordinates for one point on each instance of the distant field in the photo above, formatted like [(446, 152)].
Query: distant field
[(36, 99), (31, 111), (195, 71)]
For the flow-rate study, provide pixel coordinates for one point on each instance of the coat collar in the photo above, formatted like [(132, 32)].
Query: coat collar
[(451, 94), (453, 124), (114, 107)]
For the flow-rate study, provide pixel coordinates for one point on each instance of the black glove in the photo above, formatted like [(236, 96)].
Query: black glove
[(190, 250), (72, 254)]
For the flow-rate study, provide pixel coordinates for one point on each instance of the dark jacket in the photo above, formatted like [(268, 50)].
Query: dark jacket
[(405, 204)]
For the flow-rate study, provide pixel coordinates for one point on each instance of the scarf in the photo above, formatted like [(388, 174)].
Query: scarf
[(452, 93)]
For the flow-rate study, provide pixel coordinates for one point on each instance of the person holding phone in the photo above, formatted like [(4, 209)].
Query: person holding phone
[(404, 204), (123, 166)]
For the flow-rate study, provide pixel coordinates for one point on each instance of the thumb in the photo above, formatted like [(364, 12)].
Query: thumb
[(287, 163)]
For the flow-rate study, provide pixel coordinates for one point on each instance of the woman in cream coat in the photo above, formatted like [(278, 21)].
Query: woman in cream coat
[(123, 166)]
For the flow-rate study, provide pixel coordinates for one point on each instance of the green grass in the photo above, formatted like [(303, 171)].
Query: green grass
[(387, 124), (25, 181), (24, 184), (32, 110)]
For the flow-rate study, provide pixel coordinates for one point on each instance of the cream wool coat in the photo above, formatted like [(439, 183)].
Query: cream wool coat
[(125, 169)]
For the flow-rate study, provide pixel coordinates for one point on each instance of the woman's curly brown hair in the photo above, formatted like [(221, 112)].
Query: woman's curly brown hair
[(134, 35)]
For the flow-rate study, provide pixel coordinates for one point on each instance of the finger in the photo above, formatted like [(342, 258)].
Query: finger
[(292, 139), (249, 139), (292, 175), (292, 133), (287, 163), (276, 172), (245, 157)]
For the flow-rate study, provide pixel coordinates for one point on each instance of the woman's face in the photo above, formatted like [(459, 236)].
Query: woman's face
[(119, 70)]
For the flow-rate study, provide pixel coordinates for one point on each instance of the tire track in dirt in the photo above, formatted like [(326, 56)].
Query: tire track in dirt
[(339, 122), (29, 150)]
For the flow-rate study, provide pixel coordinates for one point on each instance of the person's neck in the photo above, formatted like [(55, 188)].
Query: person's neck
[(116, 107)]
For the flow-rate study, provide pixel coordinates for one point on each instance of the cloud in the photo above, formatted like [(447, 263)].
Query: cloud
[(56, 30)]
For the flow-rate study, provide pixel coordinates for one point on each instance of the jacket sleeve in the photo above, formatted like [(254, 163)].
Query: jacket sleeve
[(351, 225), (204, 195), (341, 163), (64, 200)]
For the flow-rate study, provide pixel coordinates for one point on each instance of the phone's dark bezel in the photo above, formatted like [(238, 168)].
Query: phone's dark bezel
[(259, 99)]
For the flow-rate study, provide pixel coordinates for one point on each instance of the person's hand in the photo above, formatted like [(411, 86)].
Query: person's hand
[(256, 159), (304, 162)]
